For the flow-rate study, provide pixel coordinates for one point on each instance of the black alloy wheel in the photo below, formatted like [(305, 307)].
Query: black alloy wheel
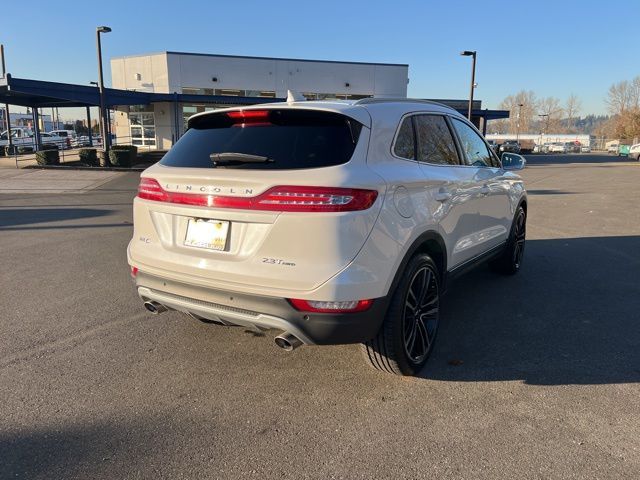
[(406, 338), (420, 319), (519, 233), (510, 260)]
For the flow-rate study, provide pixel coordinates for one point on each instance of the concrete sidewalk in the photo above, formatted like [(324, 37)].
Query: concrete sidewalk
[(53, 181)]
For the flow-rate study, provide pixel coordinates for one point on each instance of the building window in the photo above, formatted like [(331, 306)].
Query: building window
[(334, 96), (261, 93), (229, 92), (143, 129)]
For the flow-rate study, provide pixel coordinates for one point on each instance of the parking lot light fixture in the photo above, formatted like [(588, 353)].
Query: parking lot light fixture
[(471, 53), (103, 113), (520, 105)]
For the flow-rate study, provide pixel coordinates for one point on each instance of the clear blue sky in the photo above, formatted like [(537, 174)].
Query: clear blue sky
[(554, 48)]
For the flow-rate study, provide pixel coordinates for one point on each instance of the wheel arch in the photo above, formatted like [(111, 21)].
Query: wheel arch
[(431, 243), (523, 203)]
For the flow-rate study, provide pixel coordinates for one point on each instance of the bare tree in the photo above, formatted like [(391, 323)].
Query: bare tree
[(634, 94), (619, 98), (552, 111), (521, 118), (572, 108)]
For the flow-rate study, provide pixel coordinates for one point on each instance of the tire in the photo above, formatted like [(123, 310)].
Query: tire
[(510, 261), (405, 339)]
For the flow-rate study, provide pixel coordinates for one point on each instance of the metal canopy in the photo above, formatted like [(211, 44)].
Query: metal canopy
[(42, 94)]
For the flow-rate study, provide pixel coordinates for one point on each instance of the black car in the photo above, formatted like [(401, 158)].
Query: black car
[(510, 146)]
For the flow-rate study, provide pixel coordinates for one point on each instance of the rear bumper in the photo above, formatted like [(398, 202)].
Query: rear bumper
[(263, 312)]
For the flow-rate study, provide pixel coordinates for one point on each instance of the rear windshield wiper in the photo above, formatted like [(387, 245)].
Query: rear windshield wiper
[(231, 158)]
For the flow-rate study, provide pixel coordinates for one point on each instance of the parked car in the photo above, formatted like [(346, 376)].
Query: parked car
[(69, 134), (22, 139), (585, 149), (572, 147), (330, 222), (494, 146), (48, 140), (558, 147), (510, 146), (634, 152), (613, 148), (623, 150)]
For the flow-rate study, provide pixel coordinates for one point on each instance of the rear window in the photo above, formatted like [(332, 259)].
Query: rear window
[(286, 139)]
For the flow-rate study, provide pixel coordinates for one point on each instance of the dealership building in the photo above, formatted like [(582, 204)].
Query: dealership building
[(218, 81)]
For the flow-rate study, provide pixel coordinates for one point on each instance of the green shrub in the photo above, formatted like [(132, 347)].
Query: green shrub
[(89, 156), (132, 151), (48, 157), (120, 158)]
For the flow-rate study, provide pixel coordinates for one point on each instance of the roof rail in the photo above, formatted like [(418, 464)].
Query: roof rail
[(370, 100)]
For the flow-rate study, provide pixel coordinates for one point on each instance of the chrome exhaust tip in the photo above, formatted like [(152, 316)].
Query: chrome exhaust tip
[(288, 342), (155, 307)]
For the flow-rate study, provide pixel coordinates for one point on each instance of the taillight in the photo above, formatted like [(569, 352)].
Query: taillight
[(281, 198), (150, 189), (351, 306), (315, 199)]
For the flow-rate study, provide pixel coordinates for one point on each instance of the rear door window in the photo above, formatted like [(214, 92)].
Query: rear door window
[(274, 139), (435, 142)]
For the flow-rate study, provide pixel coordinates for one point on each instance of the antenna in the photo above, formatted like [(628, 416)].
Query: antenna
[(294, 97)]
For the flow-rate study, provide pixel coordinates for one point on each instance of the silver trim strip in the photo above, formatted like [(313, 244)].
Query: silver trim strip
[(214, 311)]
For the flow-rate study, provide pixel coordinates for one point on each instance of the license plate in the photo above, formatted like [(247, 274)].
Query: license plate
[(209, 234)]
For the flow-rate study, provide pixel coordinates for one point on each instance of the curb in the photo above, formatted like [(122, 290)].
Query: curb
[(74, 167)]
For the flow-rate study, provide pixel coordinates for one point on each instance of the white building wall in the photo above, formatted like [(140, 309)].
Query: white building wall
[(147, 73), (280, 75)]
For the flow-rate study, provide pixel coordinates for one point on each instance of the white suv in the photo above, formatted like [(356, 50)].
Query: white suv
[(332, 222)]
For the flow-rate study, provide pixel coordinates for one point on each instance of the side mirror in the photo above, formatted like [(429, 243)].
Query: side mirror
[(512, 161)]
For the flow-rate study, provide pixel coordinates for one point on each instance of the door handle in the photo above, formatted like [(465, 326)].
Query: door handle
[(485, 190), (443, 195)]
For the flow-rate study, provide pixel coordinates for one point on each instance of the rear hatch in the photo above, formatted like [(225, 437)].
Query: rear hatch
[(272, 198)]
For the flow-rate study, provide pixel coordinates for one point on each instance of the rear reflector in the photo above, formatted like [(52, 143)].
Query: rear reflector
[(134, 272), (281, 199), (351, 306)]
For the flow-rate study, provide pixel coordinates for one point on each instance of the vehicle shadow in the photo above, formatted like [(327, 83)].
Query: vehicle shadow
[(570, 316), (78, 451), (10, 217), (550, 159)]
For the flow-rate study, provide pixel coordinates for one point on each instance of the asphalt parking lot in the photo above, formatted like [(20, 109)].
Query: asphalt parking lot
[(535, 376)]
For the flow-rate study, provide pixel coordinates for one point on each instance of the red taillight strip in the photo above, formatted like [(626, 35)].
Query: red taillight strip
[(282, 198), (253, 117), (306, 306)]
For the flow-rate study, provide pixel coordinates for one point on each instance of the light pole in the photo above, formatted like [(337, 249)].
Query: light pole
[(104, 130), (518, 122), (89, 119), (469, 53)]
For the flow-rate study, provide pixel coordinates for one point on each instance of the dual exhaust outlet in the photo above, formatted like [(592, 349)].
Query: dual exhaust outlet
[(286, 341), (154, 307)]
